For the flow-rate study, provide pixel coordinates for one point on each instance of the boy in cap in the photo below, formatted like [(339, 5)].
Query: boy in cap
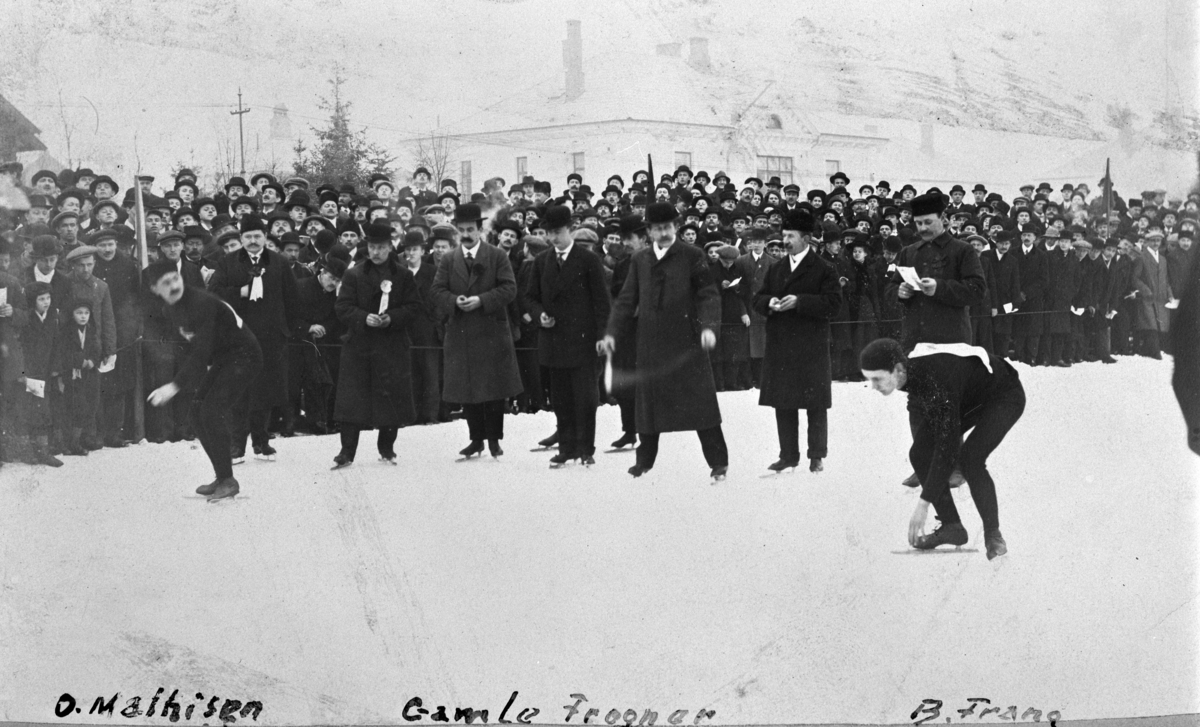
[(78, 360), (222, 359), (38, 341), (86, 286)]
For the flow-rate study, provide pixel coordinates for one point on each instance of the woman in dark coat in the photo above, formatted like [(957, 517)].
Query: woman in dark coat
[(799, 296), (375, 377)]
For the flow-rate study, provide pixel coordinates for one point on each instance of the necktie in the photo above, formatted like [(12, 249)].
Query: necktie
[(256, 286), (468, 255), (562, 257)]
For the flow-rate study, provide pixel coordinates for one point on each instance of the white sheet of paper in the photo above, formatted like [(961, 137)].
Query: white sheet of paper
[(734, 282), (3, 296), (37, 387), (1111, 314), (1172, 304), (909, 275), (1008, 307), (107, 364)]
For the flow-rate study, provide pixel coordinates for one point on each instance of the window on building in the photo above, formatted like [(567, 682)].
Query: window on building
[(775, 167), (774, 122), (683, 159), (464, 180), (577, 163), (832, 167), (522, 168)]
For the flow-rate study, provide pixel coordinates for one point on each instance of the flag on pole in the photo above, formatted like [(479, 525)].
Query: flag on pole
[(140, 209)]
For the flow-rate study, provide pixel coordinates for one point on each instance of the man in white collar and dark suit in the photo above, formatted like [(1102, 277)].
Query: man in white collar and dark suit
[(754, 265), (261, 288), (473, 286), (799, 295), (568, 298)]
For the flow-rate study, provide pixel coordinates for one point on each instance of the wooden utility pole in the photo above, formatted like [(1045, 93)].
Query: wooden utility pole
[(241, 135)]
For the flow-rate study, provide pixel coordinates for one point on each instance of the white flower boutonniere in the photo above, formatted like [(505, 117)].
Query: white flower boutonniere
[(386, 287)]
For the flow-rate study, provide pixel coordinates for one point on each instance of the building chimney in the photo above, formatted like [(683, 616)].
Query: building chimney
[(698, 54), (281, 126), (573, 59), (927, 139)]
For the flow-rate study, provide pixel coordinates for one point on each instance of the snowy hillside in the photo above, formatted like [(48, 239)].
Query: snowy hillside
[(170, 71)]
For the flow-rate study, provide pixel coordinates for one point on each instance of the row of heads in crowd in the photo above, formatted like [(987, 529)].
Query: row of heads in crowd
[(71, 202)]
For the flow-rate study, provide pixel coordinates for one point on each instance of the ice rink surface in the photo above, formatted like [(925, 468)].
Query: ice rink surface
[(335, 597)]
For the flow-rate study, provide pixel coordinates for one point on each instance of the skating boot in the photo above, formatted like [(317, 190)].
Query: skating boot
[(342, 460), (911, 481), (238, 456), (43, 456), (718, 473), (816, 464), (560, 460), (626, 440), (474, 448), (226, 489), (387, 457), (638, 470), (946, 534), (549, 442), (494, 447), (587, 461), (208, 489), (996, 546), (783, 464), (265, 452)]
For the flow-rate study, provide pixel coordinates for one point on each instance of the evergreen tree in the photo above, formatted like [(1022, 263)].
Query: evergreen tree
[(340, 155)]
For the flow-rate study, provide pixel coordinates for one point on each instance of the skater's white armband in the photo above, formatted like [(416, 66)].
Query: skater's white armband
[(962, 350), (236, 317)]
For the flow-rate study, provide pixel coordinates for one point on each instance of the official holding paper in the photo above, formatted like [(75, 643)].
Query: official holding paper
[(949, 279)]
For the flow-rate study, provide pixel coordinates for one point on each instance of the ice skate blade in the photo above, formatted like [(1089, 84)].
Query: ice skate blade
[(265, 457), (212, 500), (391, 461), (470, 457), (620, 449), (936, 551), (780, 473), (340, 466), (239, 460), (544, 449), (205, 497)]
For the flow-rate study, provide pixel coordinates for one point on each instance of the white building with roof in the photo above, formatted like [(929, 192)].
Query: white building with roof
[(613, 110)]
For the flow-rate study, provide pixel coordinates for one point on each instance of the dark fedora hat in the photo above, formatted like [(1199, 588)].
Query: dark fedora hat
[(659, 212), (468, 212), (378, 232), (631, 224), (556, 217)]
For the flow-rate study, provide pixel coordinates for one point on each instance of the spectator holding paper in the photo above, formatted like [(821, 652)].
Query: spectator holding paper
[(937, 278)]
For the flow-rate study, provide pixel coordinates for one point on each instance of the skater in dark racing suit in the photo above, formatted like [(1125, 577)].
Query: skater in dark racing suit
[(222, 359), (952, 388)]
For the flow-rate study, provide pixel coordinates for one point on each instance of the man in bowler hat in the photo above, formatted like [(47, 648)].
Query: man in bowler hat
[(473, 286), (568, 299), (671, 291)]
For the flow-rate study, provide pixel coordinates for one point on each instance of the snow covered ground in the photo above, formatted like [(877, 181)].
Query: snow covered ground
[(336, 597)]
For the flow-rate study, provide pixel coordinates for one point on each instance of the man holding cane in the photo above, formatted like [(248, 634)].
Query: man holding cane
[(670, 289)]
